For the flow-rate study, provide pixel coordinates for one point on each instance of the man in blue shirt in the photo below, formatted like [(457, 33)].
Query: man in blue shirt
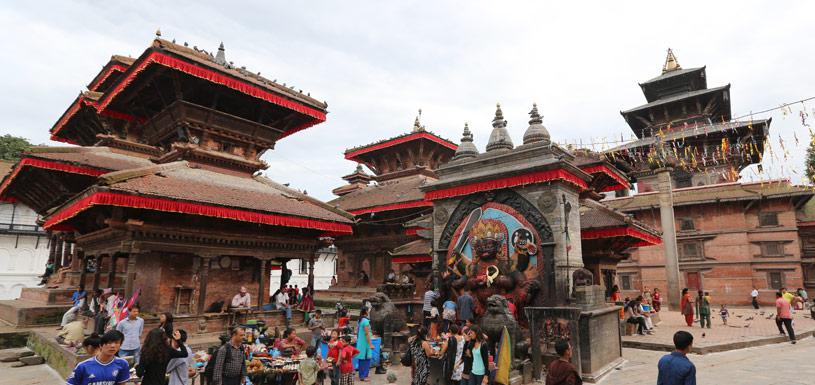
[(104, 368), (132, 328), (675, 368), (78, 300)]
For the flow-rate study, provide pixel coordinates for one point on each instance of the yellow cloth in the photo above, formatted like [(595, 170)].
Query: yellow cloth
[(788, 296), (504, 359), (73, 332)]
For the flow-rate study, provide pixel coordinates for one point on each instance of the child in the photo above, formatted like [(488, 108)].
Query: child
[(724, 313), (345, 362), (308, 367)]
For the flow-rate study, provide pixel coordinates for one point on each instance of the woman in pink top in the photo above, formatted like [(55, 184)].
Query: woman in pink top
[(783, 316)]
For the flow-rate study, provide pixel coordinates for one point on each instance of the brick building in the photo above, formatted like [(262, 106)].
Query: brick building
[(730, 237)]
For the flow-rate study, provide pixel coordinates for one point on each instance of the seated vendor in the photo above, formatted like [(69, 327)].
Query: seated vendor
[(241, 300), (292, 341)]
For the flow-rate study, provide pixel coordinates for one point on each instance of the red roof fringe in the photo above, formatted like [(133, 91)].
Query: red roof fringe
[(622, 231), (212, 76), (412, 259), (601, 168), (169, 205), (48, 165), (395, 206), (393, 142), (512, 181), (113, 67)]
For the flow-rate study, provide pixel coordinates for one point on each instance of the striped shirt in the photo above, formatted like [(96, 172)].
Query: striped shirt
[(429, 296)]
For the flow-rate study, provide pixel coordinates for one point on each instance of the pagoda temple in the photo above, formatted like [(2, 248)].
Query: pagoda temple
[(689, 125), (387, 206), (731, 236), (163, 195)]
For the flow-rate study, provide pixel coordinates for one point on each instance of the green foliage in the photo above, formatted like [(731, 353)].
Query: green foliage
[(12, 146)]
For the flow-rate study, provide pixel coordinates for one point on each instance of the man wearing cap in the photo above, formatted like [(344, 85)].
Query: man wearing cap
[(241, 300)]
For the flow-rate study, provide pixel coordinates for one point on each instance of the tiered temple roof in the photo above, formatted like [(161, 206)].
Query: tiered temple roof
[(177, 124), (686, 124)]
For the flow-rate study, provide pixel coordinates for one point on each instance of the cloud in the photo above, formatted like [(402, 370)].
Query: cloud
[(376, 63)]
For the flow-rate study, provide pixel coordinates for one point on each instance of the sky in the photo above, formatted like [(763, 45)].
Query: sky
[(377, 63)]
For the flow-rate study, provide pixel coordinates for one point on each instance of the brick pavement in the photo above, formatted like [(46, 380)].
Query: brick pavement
[(739, 328), (764, 365)]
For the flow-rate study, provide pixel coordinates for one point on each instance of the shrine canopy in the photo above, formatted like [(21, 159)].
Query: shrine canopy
[(174, 92), (391, 158), (183, 192), (605, 175), (417, 251), (401, 166), (48, 176), (605, 232)]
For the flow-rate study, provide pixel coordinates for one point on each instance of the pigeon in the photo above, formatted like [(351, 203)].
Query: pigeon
[(770, 316), (739, 316), (750, 318)]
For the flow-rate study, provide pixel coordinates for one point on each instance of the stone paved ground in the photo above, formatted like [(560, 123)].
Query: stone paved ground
[(28, 375), (758, 327), (765, 365)]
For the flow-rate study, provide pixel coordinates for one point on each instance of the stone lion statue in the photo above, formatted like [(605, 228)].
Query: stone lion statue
[(494, 320), (385, 317)]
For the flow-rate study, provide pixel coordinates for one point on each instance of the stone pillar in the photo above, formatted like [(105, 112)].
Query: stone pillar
[(52, 250), (666, 213), (112, 272), (83, 265), (66, 253), (311, 272), (261, 282), (130, 272), (202, 283), (57, 253), (98, 273)]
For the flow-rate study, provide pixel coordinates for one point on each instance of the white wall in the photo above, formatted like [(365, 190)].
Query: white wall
[(22, 259), (324, 269)]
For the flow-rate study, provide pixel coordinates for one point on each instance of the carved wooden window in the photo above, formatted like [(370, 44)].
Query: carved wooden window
[(768, 219), (303, 267), (691, 250), (772, 249), (775, 279), (625, 282), (686, 224)]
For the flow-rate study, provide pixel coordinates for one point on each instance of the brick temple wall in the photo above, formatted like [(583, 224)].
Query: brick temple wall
[(730, 257), (158, 275)]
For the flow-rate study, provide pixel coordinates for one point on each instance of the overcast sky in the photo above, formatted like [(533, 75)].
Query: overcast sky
[(376, 63)]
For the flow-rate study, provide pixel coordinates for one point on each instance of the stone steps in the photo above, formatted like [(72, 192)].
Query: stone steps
[(26, 312)]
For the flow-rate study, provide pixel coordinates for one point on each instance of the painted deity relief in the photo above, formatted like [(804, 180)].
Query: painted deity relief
[(495, 250)]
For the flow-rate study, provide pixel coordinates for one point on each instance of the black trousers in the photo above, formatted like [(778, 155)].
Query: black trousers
[(639, 321), (755, 303), (787, 324)]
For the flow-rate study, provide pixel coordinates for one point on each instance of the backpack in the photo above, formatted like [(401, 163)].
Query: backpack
[(209, 370)]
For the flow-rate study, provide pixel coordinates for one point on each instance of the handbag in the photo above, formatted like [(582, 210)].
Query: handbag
[(407, 357)]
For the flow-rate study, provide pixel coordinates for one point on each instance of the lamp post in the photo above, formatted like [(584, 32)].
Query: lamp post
[(567, 208)]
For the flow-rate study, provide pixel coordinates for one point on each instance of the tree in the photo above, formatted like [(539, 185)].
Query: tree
[(12, 146), (810, 161)]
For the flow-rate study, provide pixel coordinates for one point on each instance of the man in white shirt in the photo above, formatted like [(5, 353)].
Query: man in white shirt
[(754, 294), (241, 300)]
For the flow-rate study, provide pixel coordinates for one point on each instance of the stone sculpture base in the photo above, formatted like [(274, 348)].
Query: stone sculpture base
[(600, 344)]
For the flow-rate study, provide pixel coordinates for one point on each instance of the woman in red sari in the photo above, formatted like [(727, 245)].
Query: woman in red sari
[(686, 307), (307, 304), (656, 298)]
